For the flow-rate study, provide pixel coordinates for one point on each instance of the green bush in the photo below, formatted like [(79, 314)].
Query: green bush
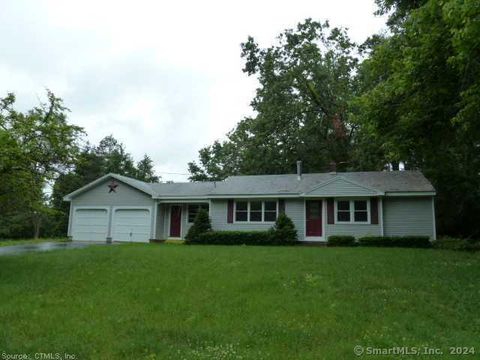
[(375, 241), (283, 232), (234, 238), (448, 243), (396, 241), (341, 240), (200, 225)]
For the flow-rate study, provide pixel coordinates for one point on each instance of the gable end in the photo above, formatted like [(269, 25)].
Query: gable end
[(339, 186)]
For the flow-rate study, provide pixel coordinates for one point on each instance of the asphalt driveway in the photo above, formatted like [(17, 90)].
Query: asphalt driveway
[(46, 246)]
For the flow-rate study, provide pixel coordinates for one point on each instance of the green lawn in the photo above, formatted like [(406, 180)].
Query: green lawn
[(28, 241), (218, 302)]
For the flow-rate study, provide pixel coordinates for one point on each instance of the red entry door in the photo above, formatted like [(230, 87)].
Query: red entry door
[(313, 209), (175, 220)]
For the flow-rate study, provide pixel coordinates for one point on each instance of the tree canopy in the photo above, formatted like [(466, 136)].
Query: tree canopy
[(420, 102), (301, 106), (35, 147)]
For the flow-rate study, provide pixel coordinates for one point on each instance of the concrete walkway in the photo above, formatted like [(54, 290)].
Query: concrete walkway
[(46, 246)]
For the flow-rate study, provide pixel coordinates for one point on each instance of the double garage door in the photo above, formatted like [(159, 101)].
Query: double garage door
[(92, 224)]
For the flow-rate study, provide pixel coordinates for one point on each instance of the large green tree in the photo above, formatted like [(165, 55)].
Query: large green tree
[(35, 147), (420, 103), (301, 106), (145, 171)]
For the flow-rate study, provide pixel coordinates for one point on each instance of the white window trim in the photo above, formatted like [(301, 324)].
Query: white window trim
[(352, 212), (188, 210), (248, 212)]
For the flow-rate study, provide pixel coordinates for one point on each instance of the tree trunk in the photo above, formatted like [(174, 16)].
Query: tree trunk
[(36, 226)]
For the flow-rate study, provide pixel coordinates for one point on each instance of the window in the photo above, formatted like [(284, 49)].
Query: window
[(352, 211), (241, 211), (270, 211), (193, 211), (361, 211), (255, 211), (343, 211)]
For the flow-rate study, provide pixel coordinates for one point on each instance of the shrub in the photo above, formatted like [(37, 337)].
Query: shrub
[(283, 232), (234, 238), (200, 225), (448, 243), (396, 241), (375, 241), (412, 241), (341, 240)]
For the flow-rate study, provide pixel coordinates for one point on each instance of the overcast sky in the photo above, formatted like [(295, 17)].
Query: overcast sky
[(165, 78)]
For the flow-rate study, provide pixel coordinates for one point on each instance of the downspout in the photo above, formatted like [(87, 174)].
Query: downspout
[(381, 217)]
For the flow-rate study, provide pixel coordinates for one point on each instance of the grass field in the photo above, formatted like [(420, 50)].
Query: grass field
[(215, 302), (29, 241)]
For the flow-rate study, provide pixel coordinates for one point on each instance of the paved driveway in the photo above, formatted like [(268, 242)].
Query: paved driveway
[(46, 246)]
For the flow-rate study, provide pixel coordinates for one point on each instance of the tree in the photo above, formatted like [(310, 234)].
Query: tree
[(145, 171), (200, 225), (301, 106), (35, 148), (283, 232), (420, 103), (114, 157)]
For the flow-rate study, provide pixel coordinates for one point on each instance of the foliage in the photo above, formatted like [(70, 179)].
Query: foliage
[(301, 107), (201, 224), (234, 238), (449, 243), (341, 240), (265, 302), (283, 232), (35, 148), (396, 241), (420, 103), (145, 171)]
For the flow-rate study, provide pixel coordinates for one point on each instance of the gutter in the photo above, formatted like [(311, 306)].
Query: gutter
[(410, 193)]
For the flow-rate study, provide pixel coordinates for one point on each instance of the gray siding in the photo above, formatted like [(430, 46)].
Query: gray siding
[(125, 195), (160, 222), (343, 188), (357, 230), (295, 210), (408, 216)]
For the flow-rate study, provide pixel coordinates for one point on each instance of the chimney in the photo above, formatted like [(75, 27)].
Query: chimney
[(333, 167), (299, 170)]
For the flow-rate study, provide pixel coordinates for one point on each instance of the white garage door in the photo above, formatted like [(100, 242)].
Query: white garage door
[(131, 225), (90, 225)]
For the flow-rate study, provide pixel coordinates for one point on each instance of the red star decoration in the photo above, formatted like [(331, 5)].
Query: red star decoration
[(113, 185)]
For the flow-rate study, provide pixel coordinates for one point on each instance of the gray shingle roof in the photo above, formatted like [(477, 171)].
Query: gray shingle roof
[(141, 185), (288, 184), (183, 189)]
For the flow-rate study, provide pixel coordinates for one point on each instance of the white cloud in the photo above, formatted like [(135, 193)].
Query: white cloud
[(164, 78)]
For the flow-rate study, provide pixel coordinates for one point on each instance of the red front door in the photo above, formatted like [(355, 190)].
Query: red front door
[(313, 209), (175, 220)]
